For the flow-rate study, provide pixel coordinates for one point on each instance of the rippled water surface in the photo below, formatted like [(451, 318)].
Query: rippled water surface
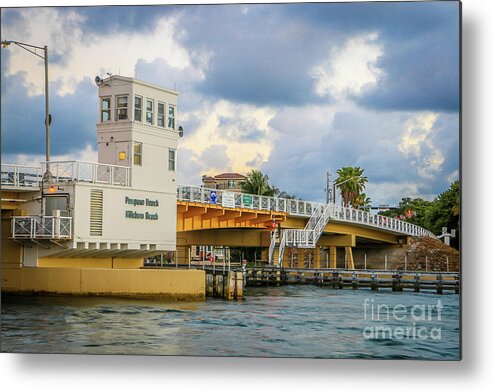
[(289, 321)]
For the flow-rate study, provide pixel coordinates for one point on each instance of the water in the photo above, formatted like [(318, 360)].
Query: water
[(288, 321)]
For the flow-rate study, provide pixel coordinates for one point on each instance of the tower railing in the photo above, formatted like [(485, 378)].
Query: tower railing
[(82, 171), (23, 176)]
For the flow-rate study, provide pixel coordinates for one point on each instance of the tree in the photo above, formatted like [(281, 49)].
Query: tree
[(443, 211), (286, 195), (362, 202), (351, 183), (257, 183), (413, 210)]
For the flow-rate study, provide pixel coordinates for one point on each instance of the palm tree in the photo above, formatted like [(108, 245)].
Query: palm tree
[(362, 202), (257, 183), (351, 184)]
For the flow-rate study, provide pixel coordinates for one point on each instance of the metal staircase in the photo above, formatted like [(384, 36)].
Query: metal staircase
[(302, 238)]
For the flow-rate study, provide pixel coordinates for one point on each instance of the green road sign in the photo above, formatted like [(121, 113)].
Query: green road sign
[(247, 200)]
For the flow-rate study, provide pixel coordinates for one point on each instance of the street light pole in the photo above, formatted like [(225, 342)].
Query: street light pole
[(32, 49), (328, 191), (47, 117)]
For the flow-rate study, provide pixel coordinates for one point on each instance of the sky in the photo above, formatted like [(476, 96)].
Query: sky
[(294, 90)]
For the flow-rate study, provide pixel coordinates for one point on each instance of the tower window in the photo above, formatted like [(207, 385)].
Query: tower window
[(105, 109), (149, 111), (171, 117), (122, 107), (171, 160), (138, 109), (160, 114), (138, 154)]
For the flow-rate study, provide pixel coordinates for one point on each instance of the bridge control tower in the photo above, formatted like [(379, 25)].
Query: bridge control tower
[(124, 205), (137, 128)]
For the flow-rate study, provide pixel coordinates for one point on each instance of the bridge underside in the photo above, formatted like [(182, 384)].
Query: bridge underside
[(199, 224), (199, 216), (250, 238)]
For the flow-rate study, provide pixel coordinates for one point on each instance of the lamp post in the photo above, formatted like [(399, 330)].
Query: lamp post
[(33, 49), (328, 191)]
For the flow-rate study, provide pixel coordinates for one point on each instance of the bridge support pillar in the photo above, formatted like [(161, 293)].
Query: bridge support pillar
[(301, 258), (182, 254), (264, 255), (316, 257), (333, 257), (349, 257)]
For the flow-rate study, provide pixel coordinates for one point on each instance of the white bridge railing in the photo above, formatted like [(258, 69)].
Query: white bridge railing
[(301, 208), (89, 172), (41, 227), (347, 214), (243, 200), (21, 176)]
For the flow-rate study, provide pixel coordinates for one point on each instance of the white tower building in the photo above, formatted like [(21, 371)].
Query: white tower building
[(137, 128)]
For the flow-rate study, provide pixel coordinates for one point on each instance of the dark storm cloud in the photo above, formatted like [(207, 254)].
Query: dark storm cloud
[(114, 19), (23, 130), (264, 55), (237, 129), (257, 56), (298, 163)]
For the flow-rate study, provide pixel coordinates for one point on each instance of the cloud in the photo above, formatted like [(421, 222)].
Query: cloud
[(215, 157), (243, 129), (75, 54), (87, 154), (295, 90), (350, 68), (23, 129), (420, 64), (417, 145), (351, 136)]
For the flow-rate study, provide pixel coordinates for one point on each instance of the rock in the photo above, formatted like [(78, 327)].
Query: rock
[(435, 251)]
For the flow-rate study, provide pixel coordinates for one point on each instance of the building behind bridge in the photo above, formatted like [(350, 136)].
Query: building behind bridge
[(224, 181)]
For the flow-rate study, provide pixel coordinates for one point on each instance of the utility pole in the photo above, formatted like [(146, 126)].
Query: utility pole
[(328, 190)]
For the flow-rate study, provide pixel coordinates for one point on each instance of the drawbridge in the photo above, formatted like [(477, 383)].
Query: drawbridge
[(223, 218)]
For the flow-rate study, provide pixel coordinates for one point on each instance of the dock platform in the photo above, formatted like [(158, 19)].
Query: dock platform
[(395, 280)]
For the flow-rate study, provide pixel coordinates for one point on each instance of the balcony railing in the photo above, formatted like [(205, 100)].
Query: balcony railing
[(21, 176), (89, 172), (41, 227)]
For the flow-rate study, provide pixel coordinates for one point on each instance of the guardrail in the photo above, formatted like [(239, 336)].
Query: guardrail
[(243, 200), (41, 227), (21, 175), (300, 208), (365, 218), (88, 172)]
